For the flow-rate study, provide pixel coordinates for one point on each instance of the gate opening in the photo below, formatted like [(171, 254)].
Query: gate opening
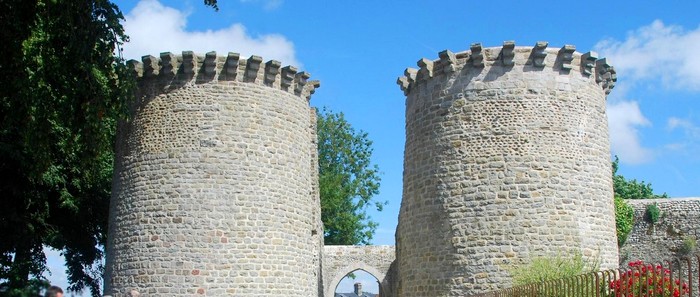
[(358, 283)]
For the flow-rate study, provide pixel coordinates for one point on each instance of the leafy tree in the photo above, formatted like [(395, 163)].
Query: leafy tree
[(631, 189), (61, 95), (62, 91), (624, 220), (628, 189), (347, 181), (212, 3)]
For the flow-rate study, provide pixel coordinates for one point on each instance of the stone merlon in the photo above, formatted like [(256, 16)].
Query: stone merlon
[(539, 57), (230, 67)]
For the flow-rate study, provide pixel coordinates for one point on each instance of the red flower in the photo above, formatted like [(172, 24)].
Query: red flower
[(647, 280)]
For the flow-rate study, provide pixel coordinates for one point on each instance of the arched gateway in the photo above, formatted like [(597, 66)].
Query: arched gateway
[(338, 261), (215, 188)]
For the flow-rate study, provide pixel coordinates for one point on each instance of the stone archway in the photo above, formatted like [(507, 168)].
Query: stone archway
[(338, 261), (341, 273)]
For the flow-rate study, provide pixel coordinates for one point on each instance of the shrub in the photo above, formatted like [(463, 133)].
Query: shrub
[(624, 220), (647, 280), (652, 213), (543, 269), (688, 246)]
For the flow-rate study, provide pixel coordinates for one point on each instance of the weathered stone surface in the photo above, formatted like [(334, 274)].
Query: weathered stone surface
[(506, 158), (662, 242), (215, 186), (680, 219), (340, 260)]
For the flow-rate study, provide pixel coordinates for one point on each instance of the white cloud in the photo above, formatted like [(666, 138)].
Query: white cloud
[(154, 28), (675, 147), (690, 129), (658, 52), (624, 120), (691, 135), (268, 4)]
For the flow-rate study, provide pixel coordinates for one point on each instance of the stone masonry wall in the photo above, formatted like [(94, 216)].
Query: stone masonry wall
[(215, 189), (680, 219), (339, 260), (507, 158)]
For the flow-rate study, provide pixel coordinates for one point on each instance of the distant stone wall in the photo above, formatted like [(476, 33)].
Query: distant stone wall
[(339, 260), (507, 158), (215, 185), (680, 218)]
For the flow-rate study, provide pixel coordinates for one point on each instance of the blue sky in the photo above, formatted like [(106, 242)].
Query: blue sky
[(357, 49)]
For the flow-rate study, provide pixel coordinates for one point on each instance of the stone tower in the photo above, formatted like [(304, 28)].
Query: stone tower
[(215, 191), (507, 158)]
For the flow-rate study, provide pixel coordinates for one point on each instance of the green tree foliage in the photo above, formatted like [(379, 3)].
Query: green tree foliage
[(33, 289), (212, 3), (61, 95), (624, 220), (62, 91), (631, 189), (347, 181), (628, 189)]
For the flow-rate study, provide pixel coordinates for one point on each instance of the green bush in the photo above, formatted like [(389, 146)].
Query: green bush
[(688, 246), (624, 220), (545, 268), (652, 213)]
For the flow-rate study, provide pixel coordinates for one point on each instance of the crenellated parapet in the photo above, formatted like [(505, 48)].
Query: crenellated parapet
[(231, 67), (605, 75), (539, 57), (215, 180), (506, 159)]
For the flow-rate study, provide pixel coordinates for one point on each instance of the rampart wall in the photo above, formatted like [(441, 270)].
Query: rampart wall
[(679, 221)]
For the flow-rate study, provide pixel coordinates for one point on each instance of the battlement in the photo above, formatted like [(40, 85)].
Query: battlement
[(502, 144), (231, 67), (539, 57)]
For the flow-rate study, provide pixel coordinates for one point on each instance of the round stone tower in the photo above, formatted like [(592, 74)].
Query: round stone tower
[(215, 183), (507, 158)]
